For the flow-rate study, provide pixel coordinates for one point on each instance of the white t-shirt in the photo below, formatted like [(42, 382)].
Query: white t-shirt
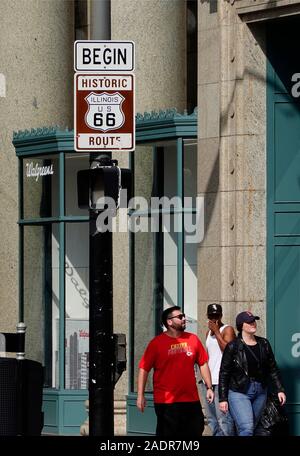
[(214, 355)]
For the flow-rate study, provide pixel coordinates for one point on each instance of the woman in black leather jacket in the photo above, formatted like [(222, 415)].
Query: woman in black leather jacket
[(247, 367)]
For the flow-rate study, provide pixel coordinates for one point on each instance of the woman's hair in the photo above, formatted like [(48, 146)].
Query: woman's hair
[(239, 327), (166, 314)]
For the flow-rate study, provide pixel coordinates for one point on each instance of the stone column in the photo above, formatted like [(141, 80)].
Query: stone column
[(36, 61), (232, 161)]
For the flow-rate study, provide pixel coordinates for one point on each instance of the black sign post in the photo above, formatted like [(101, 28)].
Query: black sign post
[(101, 384), (99, 189), (101, 345)]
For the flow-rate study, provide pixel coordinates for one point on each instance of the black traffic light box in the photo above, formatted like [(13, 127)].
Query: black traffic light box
[(101, 182)]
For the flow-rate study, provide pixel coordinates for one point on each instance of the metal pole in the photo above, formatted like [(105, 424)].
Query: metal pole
[(101, 350)]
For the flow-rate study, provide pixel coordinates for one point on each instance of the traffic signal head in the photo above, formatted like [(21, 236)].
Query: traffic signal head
[(96, 184)]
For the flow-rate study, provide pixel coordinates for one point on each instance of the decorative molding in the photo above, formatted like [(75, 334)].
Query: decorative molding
[(167, 114), (38, 132), (152, 126), (170, 114), (162, 124)]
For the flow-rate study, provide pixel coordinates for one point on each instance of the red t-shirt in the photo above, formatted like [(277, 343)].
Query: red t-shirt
[(173, 361)]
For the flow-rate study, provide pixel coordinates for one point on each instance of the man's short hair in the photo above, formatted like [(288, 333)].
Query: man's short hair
[(166, 314)]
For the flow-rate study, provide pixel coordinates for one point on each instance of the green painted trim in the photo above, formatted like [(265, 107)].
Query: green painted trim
[(39, 221), (286, 207), (46, 140), (139, 213), (61, 351), (21, 273), (130, 381), (42, 152), (180, 246), (21, 189), (74, 218), (286, 240), (154, 254), (21, 243), (270, 203), (64, 411), (61, 185), (65, 392), (140, 423), (62, 310), (274, 208), (165, 134), (149, 126), (66, 218), (165, 125)]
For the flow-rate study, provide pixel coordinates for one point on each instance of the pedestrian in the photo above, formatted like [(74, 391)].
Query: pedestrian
[(173, 355), (217, 337), (248, 366)]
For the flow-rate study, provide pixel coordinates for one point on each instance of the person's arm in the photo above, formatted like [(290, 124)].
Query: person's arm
[(224, 337), (205, 373), (141, 383), (225, 373), (224, 377)]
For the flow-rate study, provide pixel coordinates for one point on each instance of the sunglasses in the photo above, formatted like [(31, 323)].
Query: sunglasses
[(180, 316)]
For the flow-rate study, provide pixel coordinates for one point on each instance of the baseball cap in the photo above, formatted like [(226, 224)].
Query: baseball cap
[(214, 309), (246, 317)]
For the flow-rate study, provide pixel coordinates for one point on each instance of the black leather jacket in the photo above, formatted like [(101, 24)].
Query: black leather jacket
[(234, 368)]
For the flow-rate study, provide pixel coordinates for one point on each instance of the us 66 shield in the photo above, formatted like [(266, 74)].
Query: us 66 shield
[(104, 117)]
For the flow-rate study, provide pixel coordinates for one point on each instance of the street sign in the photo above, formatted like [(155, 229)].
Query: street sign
[(99, 56), (104, 117)]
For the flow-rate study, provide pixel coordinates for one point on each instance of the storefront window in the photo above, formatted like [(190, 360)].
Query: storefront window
[(192, 232), (41, 294), (40, 187), (77, 306), (190, 172), (164, 252), (145, 293), (73, 164), (55, 293)]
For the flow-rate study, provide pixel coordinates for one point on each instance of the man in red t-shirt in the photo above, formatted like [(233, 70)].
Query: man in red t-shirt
[(173, 355)]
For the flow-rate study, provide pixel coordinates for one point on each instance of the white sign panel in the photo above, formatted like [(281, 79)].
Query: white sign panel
[(102, 56)]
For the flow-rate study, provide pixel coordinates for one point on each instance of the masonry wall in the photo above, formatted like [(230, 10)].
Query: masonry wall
[(232, 162), (36, 61)]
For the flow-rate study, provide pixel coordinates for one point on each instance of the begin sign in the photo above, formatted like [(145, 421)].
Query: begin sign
[(104, 117), (101, 56)]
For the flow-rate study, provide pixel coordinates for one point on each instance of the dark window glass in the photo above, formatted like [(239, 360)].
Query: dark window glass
[(41, 187)]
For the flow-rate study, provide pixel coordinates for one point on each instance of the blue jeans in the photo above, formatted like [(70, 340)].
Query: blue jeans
[(246, 408), (220, 423)]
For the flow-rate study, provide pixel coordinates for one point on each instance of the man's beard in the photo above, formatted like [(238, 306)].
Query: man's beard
[(181, 328)]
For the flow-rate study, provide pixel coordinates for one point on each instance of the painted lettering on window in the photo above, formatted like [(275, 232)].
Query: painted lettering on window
[(81, 291), (296, 87), (34, 170), (296, 347)]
